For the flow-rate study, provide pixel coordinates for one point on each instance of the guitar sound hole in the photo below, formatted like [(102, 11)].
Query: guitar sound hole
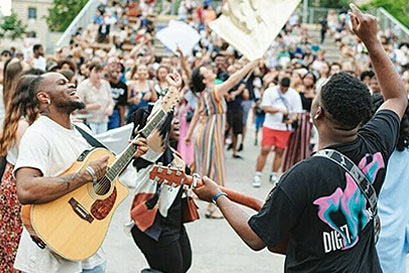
[(102, 187)]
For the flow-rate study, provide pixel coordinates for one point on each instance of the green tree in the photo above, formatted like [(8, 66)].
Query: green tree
[(332, 3), (12, 27), (63, 12), (398, 8)]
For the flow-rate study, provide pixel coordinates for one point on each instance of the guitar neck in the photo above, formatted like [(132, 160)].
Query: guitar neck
[(126, 156), (239, 198)]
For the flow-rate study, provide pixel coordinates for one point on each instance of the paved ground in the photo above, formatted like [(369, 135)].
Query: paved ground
[(216, 248)]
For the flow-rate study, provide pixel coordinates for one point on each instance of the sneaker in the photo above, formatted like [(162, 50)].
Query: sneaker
[(229, 147), (273, 178), (257, 181)]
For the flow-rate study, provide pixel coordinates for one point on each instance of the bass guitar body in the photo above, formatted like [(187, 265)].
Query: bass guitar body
[(75, 225)]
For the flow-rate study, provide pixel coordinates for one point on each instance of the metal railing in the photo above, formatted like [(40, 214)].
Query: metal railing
[(83, 19), (388, 22)]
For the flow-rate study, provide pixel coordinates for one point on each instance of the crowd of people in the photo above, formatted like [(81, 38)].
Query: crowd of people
[(110, 75)]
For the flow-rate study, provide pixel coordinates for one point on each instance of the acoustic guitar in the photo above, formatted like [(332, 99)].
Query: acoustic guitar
[(75, 225), (175, 177)]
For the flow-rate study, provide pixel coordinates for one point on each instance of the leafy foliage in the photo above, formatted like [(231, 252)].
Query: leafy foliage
[(333, 3), (398, 8), (63, 12), (12, 27)]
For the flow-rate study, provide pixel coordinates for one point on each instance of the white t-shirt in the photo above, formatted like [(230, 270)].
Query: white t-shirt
[(39, 63), (52, 149), (290, 101)]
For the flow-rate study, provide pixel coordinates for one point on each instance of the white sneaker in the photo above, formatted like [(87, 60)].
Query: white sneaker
[(257, 181), (274, 178)]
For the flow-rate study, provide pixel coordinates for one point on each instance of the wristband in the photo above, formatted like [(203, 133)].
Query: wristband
[(217, 195), (91, 171)]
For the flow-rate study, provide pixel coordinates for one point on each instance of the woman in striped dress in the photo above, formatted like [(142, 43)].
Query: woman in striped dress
[(210, 118)]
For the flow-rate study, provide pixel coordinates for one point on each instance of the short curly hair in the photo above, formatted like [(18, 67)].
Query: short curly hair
[(347, 99), (403, 138)]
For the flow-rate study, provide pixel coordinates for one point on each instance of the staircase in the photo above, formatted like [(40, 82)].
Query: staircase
[(332, 53)]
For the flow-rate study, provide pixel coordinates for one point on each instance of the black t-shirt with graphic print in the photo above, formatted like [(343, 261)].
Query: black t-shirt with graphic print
[(323, 212), (119, 93)]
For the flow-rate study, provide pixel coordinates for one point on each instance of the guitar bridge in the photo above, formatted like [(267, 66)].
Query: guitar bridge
[(81, 211)]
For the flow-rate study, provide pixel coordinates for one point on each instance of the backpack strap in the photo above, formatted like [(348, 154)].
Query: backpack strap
[(361, 181)]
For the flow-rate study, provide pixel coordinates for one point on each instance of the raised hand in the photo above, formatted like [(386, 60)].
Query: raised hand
[(364, 25), (174, 79)]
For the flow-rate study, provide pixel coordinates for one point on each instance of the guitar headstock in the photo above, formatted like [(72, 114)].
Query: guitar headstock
[(167, 175), (170, 99)]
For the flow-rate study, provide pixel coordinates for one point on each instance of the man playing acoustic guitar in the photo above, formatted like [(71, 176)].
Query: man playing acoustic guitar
[(48, 148), (323, 212)]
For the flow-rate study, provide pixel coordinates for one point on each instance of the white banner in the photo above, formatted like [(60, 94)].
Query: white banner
[(252, 25), (179, 34)]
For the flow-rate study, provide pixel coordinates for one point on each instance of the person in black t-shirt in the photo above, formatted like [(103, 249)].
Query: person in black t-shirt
[(235, 111), (119, 95), (316, 213)]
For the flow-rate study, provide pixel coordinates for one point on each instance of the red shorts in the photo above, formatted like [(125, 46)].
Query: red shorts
[(275, 138)]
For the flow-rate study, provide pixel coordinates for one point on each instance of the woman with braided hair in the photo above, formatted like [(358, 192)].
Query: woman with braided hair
[(393, 244), (21, 112)]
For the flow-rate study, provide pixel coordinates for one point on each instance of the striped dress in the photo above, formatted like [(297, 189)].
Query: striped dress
[(209, 142)]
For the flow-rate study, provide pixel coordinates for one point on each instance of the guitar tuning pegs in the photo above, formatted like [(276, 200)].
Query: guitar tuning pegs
[(168, 171), (178, 173), (156, 179)]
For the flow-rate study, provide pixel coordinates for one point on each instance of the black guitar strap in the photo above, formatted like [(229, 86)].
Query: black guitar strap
[(361, 181), (90, 139)]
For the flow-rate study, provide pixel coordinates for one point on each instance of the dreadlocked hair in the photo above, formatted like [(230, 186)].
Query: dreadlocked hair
[(403, 138), (22, 104)]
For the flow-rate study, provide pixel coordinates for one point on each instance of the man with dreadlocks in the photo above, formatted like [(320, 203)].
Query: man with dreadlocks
[(47, 149)]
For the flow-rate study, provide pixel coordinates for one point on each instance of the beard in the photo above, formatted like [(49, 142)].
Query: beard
[(70, 106)]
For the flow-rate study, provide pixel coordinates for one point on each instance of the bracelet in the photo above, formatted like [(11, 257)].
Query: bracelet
[(91, 171), (217, 195)]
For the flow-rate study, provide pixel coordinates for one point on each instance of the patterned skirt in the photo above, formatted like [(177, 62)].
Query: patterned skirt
[(209, 153), (10, 222), (298, 147)]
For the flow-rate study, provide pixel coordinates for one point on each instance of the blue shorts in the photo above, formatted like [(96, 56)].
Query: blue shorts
[(259, 121)]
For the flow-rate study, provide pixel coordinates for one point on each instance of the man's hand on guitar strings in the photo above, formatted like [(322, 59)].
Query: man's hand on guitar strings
[(99, 166), (208, 190), (142, 146)]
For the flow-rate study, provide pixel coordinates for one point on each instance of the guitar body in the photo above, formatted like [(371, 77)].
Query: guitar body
[(75, 225)]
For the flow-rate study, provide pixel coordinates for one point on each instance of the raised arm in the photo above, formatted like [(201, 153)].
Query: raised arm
[(366, 28), (222, 89), (184, 64)]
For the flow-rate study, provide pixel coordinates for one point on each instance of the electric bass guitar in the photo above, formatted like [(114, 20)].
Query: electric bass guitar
[(75, 225), (175, 177)]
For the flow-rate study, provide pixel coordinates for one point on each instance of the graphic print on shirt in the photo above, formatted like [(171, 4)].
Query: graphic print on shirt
[(350, 204)]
